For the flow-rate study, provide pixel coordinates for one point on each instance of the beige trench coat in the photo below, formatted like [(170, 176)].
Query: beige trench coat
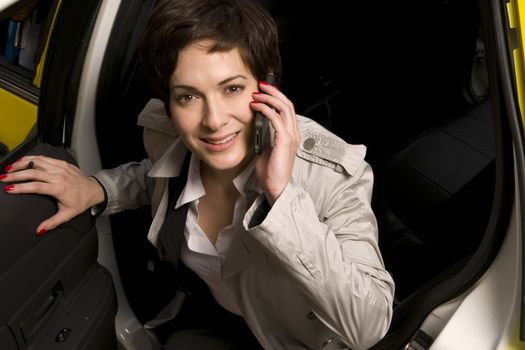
[(308, 274)]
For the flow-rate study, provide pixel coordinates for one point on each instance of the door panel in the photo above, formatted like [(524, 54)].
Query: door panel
[(53, 293)]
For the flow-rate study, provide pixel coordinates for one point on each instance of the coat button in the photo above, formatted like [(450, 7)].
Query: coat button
[(327, 343), (334, 344), (309, 143)]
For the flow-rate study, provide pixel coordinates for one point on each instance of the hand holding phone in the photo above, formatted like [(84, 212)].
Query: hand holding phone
[(261, 122)]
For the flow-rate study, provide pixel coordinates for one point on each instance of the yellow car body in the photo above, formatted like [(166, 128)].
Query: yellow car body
[(17, 118), (18, 114)]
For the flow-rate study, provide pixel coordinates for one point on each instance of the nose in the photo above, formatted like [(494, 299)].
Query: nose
[(215, 115)]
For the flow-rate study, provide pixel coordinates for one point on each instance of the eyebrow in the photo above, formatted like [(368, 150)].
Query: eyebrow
[(222, 82), (227, 80)]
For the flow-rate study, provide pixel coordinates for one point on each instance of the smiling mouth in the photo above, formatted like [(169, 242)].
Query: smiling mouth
[(222, 141)]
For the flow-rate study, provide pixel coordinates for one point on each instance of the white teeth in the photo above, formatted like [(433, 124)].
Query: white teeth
[(229, 138)]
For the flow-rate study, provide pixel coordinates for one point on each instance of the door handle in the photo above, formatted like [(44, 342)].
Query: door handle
[(33, 322), (48, 304)]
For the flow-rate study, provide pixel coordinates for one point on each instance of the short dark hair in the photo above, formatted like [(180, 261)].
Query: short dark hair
[(176, 24)]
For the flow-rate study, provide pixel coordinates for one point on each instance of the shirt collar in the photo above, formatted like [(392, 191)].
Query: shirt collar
[(194, 188), (246, 180), (170, 163)]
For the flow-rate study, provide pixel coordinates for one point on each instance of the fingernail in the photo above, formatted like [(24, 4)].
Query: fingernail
[(3, 176), (9, 188), (263, 82), (41, 231), (256, 93), (9, 167)]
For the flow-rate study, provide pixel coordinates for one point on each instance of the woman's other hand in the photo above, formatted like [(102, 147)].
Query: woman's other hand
[(74, 191), (275, 164)]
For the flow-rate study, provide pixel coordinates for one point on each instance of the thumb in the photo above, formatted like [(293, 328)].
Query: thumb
[(59, 218)]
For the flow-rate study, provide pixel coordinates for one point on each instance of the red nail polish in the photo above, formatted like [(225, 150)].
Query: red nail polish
[(3, 176), (9, 188), (263, 82), (41, 231), (256, 93), (9, 167)]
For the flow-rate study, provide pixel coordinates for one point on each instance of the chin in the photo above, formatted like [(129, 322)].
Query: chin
[(226, 161)]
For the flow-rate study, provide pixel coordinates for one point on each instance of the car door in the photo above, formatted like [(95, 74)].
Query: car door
[(54, 293)]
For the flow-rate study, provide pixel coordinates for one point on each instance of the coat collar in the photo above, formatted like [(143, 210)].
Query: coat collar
[(170, 163)]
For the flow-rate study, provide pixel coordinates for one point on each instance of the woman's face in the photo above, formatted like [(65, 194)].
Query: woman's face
[(210, 95)]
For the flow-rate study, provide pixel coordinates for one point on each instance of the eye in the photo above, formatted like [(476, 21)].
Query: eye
[(184, 99), (234, 89)]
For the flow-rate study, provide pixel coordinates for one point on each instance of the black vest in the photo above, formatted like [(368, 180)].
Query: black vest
[(171, 234)]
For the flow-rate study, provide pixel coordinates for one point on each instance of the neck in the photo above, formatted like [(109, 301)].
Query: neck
[(214, 179)]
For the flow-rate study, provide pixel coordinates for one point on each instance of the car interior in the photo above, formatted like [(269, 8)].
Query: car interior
[(406, 79)]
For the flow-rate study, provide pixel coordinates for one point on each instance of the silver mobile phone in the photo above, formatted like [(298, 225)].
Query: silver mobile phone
[(261, 122)]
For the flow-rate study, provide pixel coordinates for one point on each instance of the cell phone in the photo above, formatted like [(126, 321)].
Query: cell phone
[(261, 122)]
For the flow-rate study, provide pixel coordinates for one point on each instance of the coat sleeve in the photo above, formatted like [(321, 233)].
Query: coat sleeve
[(126, 186), (331, 253)]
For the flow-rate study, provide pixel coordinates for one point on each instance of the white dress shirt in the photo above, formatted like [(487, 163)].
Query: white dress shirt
[(198, 252)]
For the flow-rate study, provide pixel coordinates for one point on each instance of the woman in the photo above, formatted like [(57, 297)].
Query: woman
[(286, 241)]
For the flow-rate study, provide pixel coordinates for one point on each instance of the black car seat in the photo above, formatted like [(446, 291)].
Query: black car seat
[(433, 198), (406, 95)]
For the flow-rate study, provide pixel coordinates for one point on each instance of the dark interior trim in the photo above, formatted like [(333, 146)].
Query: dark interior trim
[(120, 66), (63, 69)]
